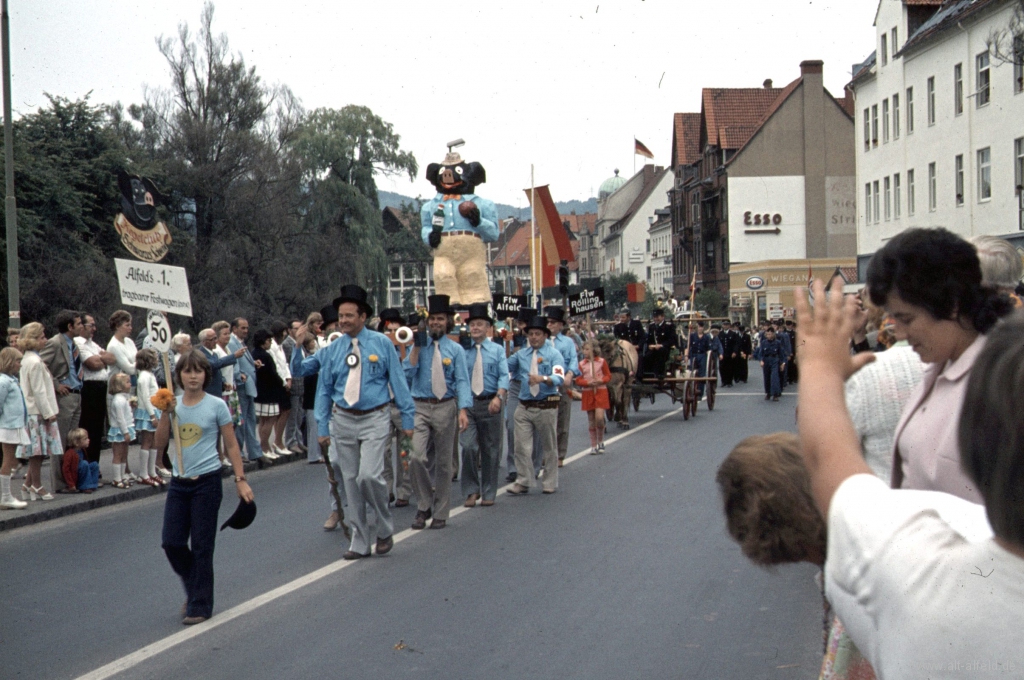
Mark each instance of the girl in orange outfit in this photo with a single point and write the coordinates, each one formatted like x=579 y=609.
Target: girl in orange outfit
x=593 y=379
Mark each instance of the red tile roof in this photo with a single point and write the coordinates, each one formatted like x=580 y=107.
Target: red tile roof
x=731 y=115
x=686 y=138
x=578 y=224
x=516 y=252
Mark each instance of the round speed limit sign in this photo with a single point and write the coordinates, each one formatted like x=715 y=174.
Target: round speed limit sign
x=159 y=331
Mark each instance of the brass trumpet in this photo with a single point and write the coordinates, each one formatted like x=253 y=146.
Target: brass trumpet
x=404 y=335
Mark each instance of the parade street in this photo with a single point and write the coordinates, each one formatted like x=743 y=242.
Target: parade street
x=626 y=572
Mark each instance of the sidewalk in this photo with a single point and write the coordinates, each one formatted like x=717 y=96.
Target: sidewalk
x=63 y=505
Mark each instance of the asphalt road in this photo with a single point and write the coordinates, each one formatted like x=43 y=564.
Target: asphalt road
x=626 y=572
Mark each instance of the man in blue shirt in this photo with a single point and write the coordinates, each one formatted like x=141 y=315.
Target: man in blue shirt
x=440 y=389
x=245 y=385
x=518 y=342
x=540 y=369
x=700 y=345
x=352 y=410
x=771 y=354
x=488 y=381
x=567 y=348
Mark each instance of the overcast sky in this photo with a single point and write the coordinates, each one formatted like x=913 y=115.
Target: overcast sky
x=562 y=84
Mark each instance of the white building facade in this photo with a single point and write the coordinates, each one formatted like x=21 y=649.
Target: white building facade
x=939 y=124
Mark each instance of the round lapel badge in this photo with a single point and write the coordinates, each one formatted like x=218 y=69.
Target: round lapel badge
x=352 y=360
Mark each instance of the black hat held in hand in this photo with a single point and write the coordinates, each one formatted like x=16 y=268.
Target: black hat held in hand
x=245 y=513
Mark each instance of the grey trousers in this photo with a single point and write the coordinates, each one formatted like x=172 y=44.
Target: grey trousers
x=395 y=474
x=360 y=442
x=437 y=424
x=69 y=412
x=313 y=448
x=481 y=441
x=564 y=413
x=510 y=430
x=293 y=428
x=540 y=422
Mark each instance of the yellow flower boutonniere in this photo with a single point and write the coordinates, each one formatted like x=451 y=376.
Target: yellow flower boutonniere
x=446 y=361
x=373 y=358
x=540 y=360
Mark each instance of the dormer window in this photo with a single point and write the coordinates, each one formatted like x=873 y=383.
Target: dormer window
x=884 y=51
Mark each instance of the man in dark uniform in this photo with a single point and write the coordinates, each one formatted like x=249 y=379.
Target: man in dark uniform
x=791 y=369
x=745 y=347
x=700 y=345
x=661 y=338
x=772 y=355
x=730 y=340
x=630 y=329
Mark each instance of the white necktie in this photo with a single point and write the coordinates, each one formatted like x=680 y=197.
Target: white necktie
x=437 y=383
x=534 y=389
x=355 y=374
x=478 y=372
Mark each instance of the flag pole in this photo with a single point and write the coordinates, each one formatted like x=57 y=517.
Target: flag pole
x=533 y=242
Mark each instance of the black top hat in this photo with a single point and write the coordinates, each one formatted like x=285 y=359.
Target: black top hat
x=540 y=322
x=245 y=513
x=479 y=310
x=555 y=313
x=391 y=314
x=658 y=311
x=439 y=304
x=353 y=293
x=330 y=314
x=526 y=313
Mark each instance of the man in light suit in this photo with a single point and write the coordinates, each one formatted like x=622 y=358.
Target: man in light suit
x=60 y=354
x=207 y=345
x=245 y=383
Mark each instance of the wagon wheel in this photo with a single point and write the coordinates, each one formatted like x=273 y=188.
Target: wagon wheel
x=694 y=401
x=686 y=400
x=651 y=395
x=636 y=399
x=712 y=385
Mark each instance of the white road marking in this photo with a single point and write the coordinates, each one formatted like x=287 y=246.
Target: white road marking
x=149 y=651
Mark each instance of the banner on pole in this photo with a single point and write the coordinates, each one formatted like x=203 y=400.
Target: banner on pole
x=154 y=286
x=586 y=301
x=506 y=306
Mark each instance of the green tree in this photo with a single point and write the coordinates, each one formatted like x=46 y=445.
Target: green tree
x=615 y=294
x=342 y=150
x=710 y=300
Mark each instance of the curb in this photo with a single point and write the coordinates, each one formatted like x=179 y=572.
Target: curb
x=9 y=520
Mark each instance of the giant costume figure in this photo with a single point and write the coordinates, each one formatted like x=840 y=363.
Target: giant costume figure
x=456 y=224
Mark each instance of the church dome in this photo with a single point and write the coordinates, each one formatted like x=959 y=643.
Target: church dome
x=610 y=186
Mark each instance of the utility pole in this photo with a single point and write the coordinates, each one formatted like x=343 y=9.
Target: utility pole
x=10 y=204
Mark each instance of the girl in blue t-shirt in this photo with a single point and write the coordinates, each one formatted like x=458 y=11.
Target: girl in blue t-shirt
x=195 y=491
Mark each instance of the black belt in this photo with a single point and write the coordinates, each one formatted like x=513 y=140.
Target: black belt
x=548 y=403
x=484 y=397
x=74 y=391
x=359 y=412
x=432 y=400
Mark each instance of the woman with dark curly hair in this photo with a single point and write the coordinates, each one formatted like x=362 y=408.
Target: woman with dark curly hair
x=930 y=283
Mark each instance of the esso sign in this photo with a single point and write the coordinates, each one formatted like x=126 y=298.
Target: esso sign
x=159 y=331
x=755 y=283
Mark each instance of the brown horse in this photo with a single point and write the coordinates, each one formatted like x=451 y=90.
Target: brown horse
x=622 y=359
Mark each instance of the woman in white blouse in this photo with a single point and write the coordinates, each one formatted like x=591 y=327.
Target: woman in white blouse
x=121 y=345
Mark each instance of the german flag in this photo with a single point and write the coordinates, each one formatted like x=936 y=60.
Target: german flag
x=641 y=150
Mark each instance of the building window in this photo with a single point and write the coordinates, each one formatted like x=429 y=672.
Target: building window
x=895 y=43
x=983 y=80
x=1018 y=179
x=959 y=174
x=911 y=198
x=396 y=274
x=885 y=49
x=895 y=116
x=1018 y=64
x=696 y=254
x=874 y=125
x=931 y=100
x=885 y=121
x=897 y=196
x=958 y=89
x=888 y=199
x=694 y=209
x=932 y=188
x=867 y=203
x=867 y=129
x=709 y=256
x=910 y=110
x=878 y=208
x=648 y=248
x=984 y=174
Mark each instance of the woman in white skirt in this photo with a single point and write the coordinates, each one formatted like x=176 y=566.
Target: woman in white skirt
x=41 y=403
x=13 y=415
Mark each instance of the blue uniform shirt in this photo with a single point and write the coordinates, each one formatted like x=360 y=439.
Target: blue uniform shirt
x=456 y=378
x=567 y=348
x=72 y=380
x=381 y=369
x=787 y=346
x=453 y=221
x=716 y=345
x=699 y=344
x=551 y=365
x=495 y=365
x=770 y=350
